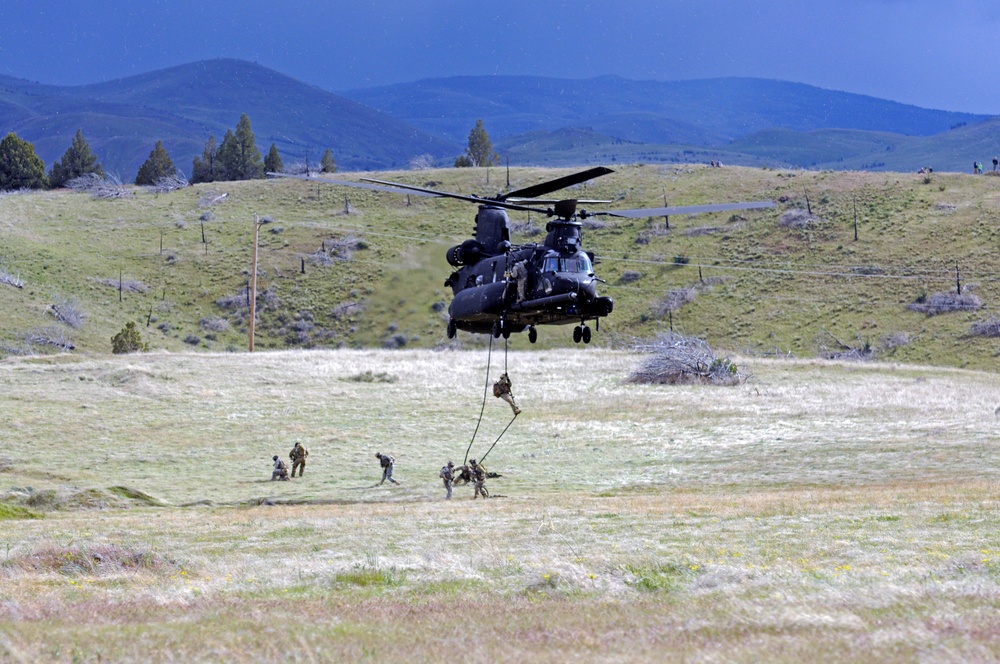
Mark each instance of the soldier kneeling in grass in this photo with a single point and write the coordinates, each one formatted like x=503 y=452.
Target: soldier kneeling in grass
x=280 y=469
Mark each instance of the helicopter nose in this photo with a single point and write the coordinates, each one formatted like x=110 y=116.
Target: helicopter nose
x=588 y=289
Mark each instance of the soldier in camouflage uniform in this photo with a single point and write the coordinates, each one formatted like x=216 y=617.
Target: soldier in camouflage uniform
x=298 y=456
x=387 y=463
x=501 y=390
x=464 y=475
x=448 y=476
x=280 y=471
x=479 y=477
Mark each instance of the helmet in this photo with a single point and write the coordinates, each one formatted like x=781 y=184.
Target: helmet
x=450 y=464
x=472 y=462
x=378 y=455
x=274 y=458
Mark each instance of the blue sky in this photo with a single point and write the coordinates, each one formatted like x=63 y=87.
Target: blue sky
x=932 y=53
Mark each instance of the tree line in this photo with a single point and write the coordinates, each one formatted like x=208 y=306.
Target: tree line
x=237 y=158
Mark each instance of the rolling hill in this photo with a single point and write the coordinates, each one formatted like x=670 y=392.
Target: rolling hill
x=183 y=105
x=756 y=282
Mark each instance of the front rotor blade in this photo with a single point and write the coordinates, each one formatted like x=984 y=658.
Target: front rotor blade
x=684 y=209
x=345 y=183
x=403 y=188
x=555 y=185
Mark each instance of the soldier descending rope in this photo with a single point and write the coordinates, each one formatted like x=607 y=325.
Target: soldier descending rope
x=501 y=390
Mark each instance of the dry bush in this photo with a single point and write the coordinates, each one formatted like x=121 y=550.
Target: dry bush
x=238 y=300
x=675 y=358
x=630 y=276
x=127 y=285
x=987 y=328
x=99 y=187
x=214 y=324
x=69 y=312
x=893 y=341
x=168 y=183
x=676 y=299
x=10 y=279
x=345 y=310
x=49 y=336
x=421 y=162
x=832 y=348
x=797 y=218
x=942 y=303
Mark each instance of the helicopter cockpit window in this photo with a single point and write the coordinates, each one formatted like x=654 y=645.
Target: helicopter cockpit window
x=579 y=264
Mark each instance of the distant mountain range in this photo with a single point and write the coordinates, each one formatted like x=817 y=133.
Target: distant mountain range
x=533 y=121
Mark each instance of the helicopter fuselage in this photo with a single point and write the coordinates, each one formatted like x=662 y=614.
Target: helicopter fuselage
x=555 y=283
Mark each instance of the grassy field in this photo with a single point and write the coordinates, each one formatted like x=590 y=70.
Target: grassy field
x=374 y=277
x=820 y=511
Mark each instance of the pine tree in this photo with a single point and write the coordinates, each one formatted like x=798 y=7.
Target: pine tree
x=328 y=164
x=480 y=150
x=159 y=165
x=239 y=158
x=76 y=161
x=206 y=169
x=272 y=162
x=20 y=167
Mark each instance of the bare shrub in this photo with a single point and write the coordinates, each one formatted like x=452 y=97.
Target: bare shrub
x=630 y=276
x=97 y=560
x=592 y=223
x=214 y=324
x=893 y=341
x=10 y=279
x=704 y=230
x=421 y=162
x=675 y=358
x=168 y=183
x=192 y=340
x=832 y=348
x=987 y=328
x=108 y=186
x=797 y=218
x=676 y=299
x=68 y=311
x=942 y=303
x=49 y=336
x=238 y=300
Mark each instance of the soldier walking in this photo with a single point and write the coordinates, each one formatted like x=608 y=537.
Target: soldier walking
x=280 y=471
x=387 y=463
x=519 y=272
x=479 y=478
x=448 y=476
x=501 y=390
x=298 y=456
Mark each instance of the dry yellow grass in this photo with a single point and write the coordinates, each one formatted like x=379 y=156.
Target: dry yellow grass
x=821 y=511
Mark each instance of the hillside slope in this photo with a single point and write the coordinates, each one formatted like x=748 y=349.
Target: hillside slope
x=749 y=282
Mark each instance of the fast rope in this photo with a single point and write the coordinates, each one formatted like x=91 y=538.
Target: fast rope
x=486 y=387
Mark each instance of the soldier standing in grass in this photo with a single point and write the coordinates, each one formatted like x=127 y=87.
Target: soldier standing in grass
x=479 y=477
x=280 y=471
x=448 y=476
x=298 y=456
x=501 y=390
x=387 y=463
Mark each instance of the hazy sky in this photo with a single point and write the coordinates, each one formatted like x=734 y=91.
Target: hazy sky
x=932 y=53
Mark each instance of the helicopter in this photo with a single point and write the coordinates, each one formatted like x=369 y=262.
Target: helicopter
x=501 y=288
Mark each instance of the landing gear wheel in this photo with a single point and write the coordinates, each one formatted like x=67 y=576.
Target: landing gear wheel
x=505 y=332
x=496 y=329
x=452 y=330
x=586 y=334
x=532 y=335
x=577 y=334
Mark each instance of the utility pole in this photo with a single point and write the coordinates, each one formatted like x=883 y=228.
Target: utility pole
x=253 y=279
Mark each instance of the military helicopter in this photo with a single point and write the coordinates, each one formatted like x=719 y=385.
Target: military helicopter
x=500 y=288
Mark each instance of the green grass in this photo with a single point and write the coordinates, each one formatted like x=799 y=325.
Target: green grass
x=823 y=510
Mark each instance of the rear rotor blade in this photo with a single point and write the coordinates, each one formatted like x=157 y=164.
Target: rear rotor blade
x=404 y=188
x=555 y=185
x=683 y=209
